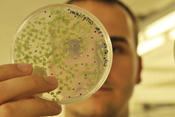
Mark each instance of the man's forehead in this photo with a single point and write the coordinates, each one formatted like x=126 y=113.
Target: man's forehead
x=115 y=19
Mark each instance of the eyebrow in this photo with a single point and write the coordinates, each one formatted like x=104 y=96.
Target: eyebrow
x=118 y=39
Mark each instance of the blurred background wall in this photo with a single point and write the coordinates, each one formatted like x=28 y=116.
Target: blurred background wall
x=155 y=96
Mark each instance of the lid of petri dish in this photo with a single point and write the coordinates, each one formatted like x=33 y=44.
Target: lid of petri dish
x=69 y=43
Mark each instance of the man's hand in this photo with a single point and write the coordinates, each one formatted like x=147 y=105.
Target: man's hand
x=18 y=85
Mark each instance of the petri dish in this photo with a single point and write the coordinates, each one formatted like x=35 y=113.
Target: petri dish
x=69 y=43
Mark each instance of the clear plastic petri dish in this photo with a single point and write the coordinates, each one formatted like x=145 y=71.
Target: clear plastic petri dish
x=69 y=43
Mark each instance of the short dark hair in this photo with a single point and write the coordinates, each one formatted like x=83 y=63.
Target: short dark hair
x=136 y=30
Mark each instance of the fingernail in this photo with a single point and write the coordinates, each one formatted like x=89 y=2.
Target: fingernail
x=51 y=80
x=24 y=67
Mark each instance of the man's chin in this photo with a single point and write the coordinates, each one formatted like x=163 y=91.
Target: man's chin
x=96 y=106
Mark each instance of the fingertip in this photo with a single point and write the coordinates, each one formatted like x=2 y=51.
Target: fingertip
x=52 y=82
x=58 y=108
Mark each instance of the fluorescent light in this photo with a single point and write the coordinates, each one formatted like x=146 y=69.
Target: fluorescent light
x=149 y=45
x=161 y=25
x=171 y=34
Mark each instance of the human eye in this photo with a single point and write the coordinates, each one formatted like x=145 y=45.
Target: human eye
x=118 y=49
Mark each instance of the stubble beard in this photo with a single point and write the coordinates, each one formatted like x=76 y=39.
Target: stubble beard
x=110 y=110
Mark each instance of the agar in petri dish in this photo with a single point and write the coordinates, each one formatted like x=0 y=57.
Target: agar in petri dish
x=69 y=43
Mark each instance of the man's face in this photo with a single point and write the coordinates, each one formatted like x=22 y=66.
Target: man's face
x=113 y=97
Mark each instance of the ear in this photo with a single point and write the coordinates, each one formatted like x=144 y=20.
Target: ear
x=139 y=70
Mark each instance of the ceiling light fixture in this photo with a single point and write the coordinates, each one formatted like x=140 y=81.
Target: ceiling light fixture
x=161 y=25
x=149 y=45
